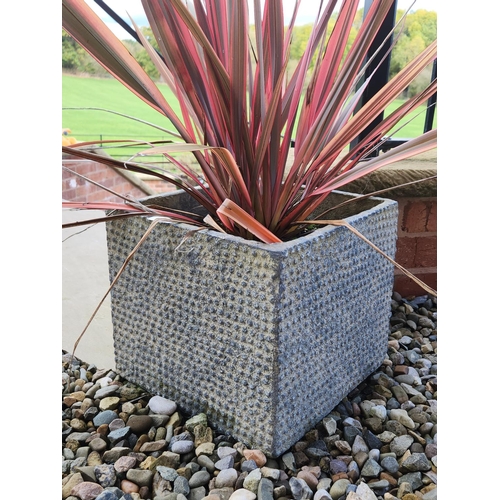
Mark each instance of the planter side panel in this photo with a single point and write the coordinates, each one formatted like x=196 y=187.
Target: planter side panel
x=265 y=339
x=334 y=319
x=194 y=321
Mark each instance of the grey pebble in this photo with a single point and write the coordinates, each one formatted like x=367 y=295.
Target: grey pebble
x=118 y=434
x=140 y=477
x=197 y=493
x=206 y=462
x=400 y=444
x=182 y=447
x=251 y=482
x=365 y=434
x=265 y=489
x=224 y=451
x=417 y=462
x=104 y=392
x=288 y=460
x=414 y=479
x=167 y=473
x=104 y=417
x=108 y=495
x=248 y=465
x=226 y=478
x=390 y=464
x=371 y=469
x=181 y=485
x=300 y=489
x=200 y=478
x=225 y=463
x=78 y=436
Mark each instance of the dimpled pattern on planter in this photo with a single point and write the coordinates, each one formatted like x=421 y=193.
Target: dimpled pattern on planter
x=251 y=334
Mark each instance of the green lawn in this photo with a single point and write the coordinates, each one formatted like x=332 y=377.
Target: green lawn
x=109 y=94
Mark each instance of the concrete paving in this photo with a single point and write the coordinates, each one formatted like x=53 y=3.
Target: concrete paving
x=84 y=283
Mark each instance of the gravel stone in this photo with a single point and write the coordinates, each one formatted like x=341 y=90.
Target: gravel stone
x=119 y=441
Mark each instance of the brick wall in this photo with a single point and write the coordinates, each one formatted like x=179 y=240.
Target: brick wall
x=75 y=188
x=417 y=244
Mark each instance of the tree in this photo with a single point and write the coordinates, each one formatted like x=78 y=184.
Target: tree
x=418 y=31
x=140 y=53
x=76 y=59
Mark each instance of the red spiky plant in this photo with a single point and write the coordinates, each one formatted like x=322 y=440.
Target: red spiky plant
x=240 y=113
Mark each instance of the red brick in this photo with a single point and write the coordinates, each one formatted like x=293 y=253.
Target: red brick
x=69 y=194
x=426 y=252
x=406 y=286
x=95 y=197
x=406 y=251
x=419 y=216
x=432 y=221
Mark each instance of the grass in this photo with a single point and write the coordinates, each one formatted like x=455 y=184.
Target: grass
x=87 y=125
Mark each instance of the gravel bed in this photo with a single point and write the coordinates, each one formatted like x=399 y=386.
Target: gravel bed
x=379 y=443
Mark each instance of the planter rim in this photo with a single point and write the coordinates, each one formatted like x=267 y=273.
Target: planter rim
x=285 y=245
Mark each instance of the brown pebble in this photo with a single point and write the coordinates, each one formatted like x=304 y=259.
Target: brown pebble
x=301 y=459
x=428 y=488
x=69 y=401
x=300 y=446
x=143 y=438
x=343 y=446
x=391 y=480
x=80 y=382
x=309 y=478
x=78 y=395
x=129 y=487
x=148 y=464
x=144 y=492
x=140 y=424
x=103 y=429
x=94 y=458
x=78 y=425
x=404 y=489
x=339 y=475
x=185 y=472
x=353 y=476
x=312 y=436
x=401 y=370
x=256 y=455
x=86 y=404
x=153 y=446
x=98 y=444
x=360 y=458
x=70 y=482
x=78 y=413
x=73 y=445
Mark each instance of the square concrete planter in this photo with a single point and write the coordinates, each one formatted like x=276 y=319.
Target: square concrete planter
x=264 y=339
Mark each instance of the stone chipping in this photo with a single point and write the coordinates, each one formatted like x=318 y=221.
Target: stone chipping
x=379 y=443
